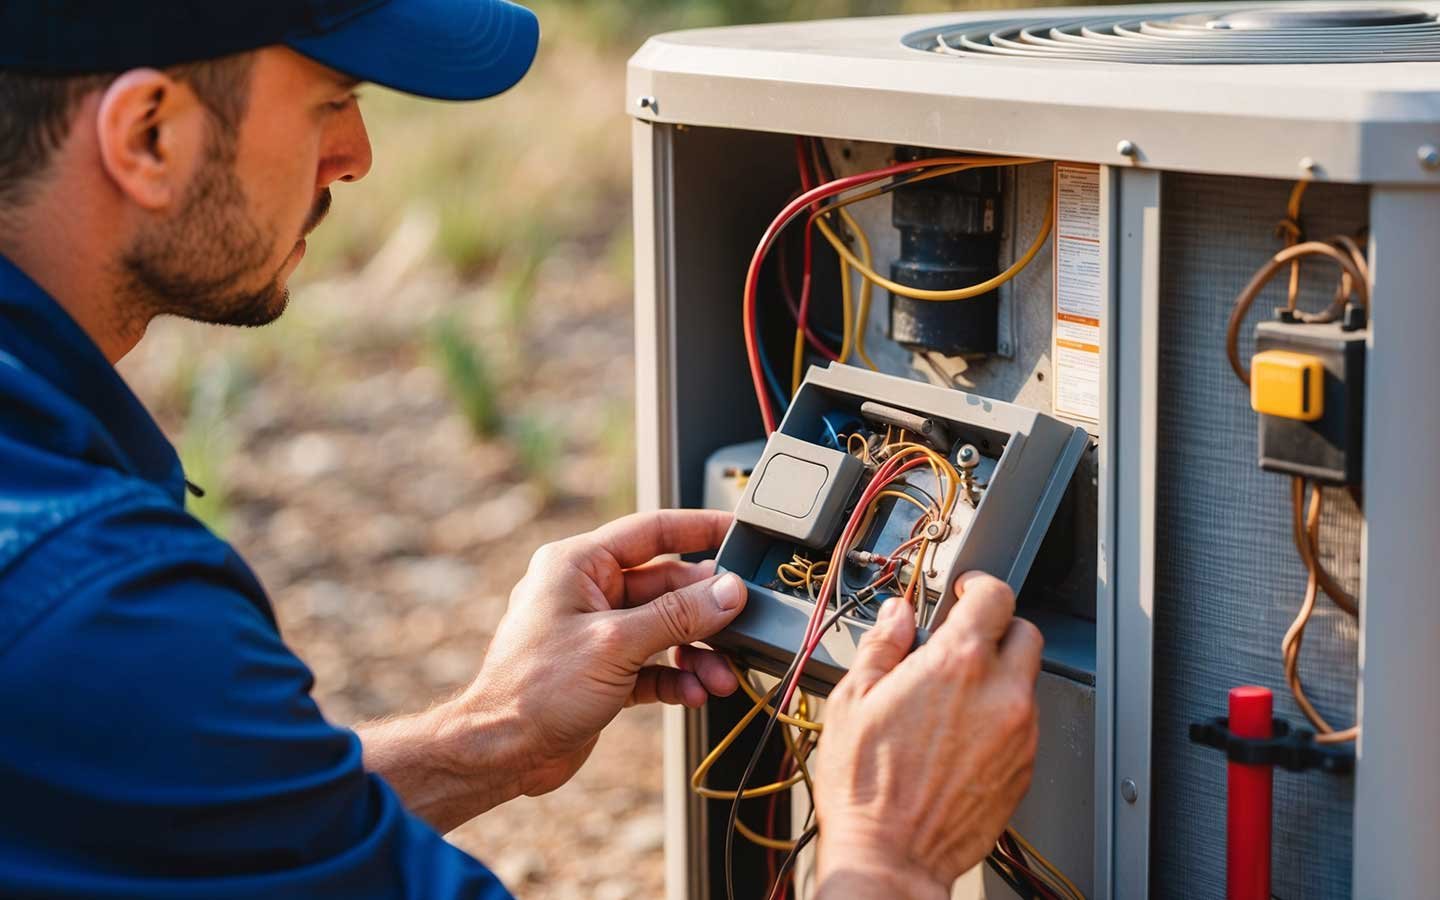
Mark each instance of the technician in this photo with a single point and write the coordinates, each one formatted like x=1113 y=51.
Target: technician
x=168 y=158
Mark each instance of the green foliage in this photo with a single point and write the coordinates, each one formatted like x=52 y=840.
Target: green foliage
x=538 y=448
x=517 y=280
x=216 y=385
x=467 y=376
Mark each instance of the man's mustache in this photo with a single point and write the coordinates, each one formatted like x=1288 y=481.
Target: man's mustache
x=317 y=213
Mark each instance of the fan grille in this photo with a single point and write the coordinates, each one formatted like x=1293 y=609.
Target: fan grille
x=1258 y=36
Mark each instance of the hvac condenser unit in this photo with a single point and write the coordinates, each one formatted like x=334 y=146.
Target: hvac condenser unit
x=1192 y=399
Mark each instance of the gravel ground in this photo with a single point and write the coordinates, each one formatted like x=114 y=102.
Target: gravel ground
x=389 y=536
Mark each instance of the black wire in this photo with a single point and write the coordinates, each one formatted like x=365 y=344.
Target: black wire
x=792 y=856
x=759 y=749
x=1002 y=869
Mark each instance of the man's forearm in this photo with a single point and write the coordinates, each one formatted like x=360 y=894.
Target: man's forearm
x=448 y=764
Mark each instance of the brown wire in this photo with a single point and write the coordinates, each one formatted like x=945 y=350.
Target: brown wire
x=1309 y=549
x=1293 y=232
x=1290 y=645
x=1357 y=285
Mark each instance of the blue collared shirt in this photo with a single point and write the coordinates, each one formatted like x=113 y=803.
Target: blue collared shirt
x=158 y=737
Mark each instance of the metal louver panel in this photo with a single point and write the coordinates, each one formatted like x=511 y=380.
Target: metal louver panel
x=1259 y=36
x=1225 y=594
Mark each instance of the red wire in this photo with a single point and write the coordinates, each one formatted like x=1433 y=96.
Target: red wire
x=770 y=855
x=810 y=337
x=892 y=469
x=752 y=276
x=807 y=251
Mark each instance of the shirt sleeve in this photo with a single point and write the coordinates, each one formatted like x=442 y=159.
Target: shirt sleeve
x=161 y=742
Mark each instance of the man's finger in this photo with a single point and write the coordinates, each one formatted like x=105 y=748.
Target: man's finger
x=884 y=646
x=1021 y=649
x=644 y=583
x=684 y=616
x=662 y=684
x=984 y=606
x=640 y=537
x=710 y=667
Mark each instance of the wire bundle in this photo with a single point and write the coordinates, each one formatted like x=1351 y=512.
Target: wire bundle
x=826 y=207
x=1028 y=873
x=890 y=458
x=1352 y=285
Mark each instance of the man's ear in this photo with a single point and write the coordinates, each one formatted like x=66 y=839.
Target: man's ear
x=151 y=131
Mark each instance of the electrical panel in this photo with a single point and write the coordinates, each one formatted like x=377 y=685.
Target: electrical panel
x=1008 y=468
x=1161 y=306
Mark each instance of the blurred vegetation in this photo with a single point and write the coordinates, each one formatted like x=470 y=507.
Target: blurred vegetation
x=467 y=375
x=212 y=387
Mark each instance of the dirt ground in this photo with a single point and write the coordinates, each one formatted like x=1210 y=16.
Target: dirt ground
x=389 y=534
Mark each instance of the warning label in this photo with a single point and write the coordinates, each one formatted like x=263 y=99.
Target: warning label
x=1079 y=303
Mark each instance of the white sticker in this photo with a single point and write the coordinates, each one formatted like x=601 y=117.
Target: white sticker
x=1078 y=302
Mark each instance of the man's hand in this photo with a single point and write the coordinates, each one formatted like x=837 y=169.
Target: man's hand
x=586 y=620
x=925 y=756
x=575 y=646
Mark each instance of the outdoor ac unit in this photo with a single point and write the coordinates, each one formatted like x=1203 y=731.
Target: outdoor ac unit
x=1174 y=137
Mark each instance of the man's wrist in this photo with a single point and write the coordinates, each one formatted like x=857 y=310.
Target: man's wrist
x=451 y=762
x=870 y=870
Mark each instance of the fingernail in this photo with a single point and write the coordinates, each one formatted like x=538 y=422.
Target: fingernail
x=891 y=609
x=727 y=591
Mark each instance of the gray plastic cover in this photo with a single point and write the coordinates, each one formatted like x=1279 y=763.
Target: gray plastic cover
x=798 y=490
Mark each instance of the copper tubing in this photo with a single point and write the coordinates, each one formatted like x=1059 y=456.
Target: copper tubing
x=1357 y=286
x=1290 y=645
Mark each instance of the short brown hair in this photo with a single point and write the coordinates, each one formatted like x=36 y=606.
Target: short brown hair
x=36 y=112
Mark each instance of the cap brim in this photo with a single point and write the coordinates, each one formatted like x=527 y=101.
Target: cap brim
x=445 y=49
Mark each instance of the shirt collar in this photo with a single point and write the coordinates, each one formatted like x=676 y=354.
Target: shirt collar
x=37 y=331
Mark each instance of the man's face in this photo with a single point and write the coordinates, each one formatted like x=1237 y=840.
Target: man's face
x=227 y=252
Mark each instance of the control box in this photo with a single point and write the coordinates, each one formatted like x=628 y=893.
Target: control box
x=1007 y=468
x=1308 y=385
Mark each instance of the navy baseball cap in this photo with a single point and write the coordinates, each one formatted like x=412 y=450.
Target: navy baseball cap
x=446 y=49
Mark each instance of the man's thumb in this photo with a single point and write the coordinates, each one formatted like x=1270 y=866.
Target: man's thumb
x=884 y=646
x=685 y=615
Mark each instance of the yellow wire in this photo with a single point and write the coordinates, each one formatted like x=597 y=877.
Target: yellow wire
x=847 y=319
x=850 y=440
x=797 y=363
x=1047 y=865
x=800 y=754
x=965 y=293
x=755 y=697
x=901 y=495
x=768 y=843
x=938 y=464
x=862 y=316
x=697 y=778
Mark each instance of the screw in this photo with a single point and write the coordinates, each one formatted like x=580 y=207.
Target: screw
x=1127 y=148
x=1129 y=791
x=1429 y=156
x=648 y=102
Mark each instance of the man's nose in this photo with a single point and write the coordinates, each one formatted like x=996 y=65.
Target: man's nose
x=347 y=154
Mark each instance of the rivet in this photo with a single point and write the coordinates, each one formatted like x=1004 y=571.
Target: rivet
x=648 y=102
x=1429 y=156
x=1129 y=791
x=1308 y=165
x=1127 y=148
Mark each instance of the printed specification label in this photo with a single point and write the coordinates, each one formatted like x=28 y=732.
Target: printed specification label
x=1079 y=302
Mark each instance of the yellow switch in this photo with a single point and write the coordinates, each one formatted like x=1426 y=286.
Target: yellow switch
x=1287 y=384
